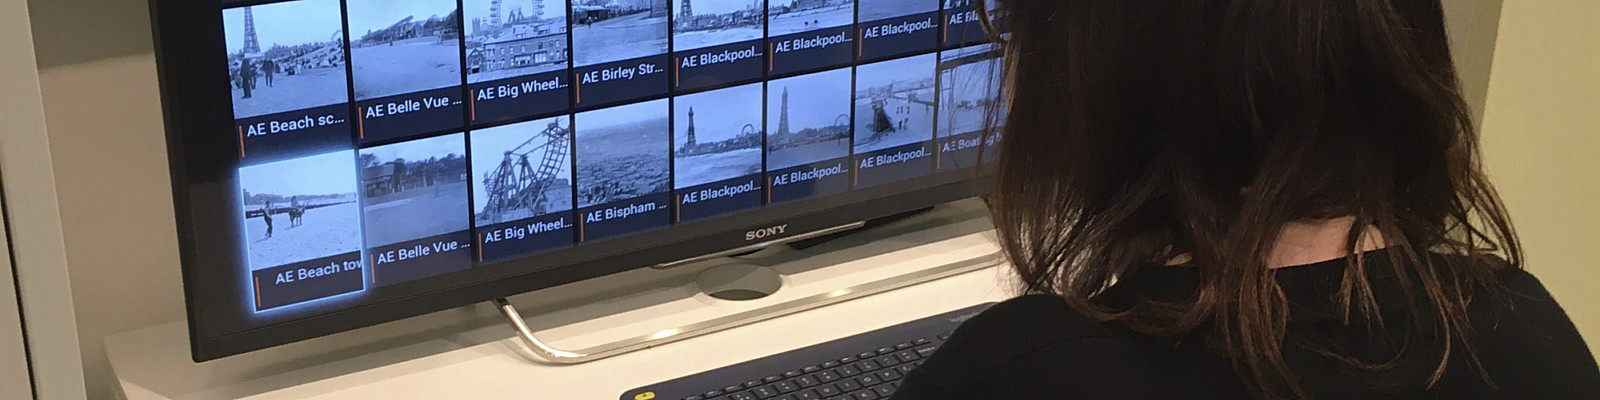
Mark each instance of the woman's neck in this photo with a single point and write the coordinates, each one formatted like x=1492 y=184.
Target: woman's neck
x=1312 y=241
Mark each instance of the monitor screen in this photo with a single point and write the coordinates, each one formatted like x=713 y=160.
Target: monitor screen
x=342 y=163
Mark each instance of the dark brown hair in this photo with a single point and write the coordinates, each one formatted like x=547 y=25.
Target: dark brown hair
x=1141 y=130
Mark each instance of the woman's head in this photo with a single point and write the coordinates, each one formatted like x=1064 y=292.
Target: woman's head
x=1140 y=130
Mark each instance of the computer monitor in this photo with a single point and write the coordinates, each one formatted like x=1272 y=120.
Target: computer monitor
x=342 y=163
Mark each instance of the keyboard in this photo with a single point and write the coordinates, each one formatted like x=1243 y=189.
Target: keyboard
x=868 y=366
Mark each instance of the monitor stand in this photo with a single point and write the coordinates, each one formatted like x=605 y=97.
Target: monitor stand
x=746 y=287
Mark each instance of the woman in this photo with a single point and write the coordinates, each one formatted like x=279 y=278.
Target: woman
x=1224 y=199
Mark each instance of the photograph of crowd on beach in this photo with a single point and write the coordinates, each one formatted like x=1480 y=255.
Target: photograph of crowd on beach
x=285 y=56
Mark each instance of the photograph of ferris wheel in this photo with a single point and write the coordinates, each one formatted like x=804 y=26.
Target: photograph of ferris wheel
x=522 y=170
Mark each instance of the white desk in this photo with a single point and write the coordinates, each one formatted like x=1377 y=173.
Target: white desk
x=472 y=353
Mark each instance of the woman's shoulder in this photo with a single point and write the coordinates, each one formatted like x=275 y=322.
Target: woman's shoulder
x=1036 y=319
x=1033 y=333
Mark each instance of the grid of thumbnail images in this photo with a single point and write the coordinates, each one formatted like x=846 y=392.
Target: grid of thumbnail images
x=387 y=141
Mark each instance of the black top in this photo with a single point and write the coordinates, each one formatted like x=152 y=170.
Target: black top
x=1036 y=347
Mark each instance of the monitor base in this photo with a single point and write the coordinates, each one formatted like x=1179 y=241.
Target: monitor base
x=739 y=282
x=753 y=279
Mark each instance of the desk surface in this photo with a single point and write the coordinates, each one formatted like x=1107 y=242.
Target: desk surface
x=468 y=354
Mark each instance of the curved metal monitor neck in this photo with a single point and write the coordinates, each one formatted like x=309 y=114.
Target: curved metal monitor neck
x=549 y=353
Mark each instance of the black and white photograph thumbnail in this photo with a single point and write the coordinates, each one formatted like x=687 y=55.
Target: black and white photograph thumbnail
x=717 y=135
x=794 y=16
x=414 y=190
x=873 y=10
x=706 y=23
x=301 y=209
x=614 y=30
x=403 y=46
x=809 y=119
x=969 y=90
x=894 y=103
x=285 y=56
x=511 y=38
x=623 y=153
x=963 y=23
x=522 y=170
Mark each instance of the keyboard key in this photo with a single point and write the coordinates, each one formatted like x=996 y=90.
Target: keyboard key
x=869 y=380
x=786 y=386
x=848 y=371
x=887 y=361
x=907 y=356
x=926 y=351
x=888 y=375
x=867 y=366
x=905 y=368
x=731 y=389
x=946 y=335
x=847 y=360
x=752 y=384
x=885 y=350
x=884 y=390
x=806 y=381
x=849 y=385
x=788 y=397
x=807 y=394
x=827 y=376
x=865 y=395
x=922 y=342
x=811 y=369
x=742 y=396
x=902 y=346
x=695 y=397
x=866 y=355
x=771 y=379
x=765 y=392
x=830 y=364
x=791 y=374
x=828 y=391
x=712 y=394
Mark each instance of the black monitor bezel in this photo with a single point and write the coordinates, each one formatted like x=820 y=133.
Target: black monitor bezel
x=186 y=44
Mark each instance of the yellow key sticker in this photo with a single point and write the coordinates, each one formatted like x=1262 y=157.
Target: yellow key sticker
x=645 y=396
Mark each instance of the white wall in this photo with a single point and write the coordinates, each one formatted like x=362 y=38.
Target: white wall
x=1541 y=127
x=33 y=218
x=97 y=71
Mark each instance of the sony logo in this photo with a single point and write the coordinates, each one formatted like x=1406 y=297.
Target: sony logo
x=764 y=233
